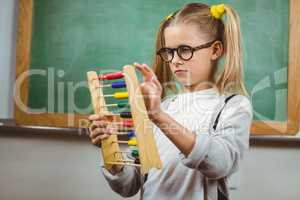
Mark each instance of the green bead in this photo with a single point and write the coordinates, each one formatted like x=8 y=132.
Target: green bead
x=135 y=153
x=122 y=105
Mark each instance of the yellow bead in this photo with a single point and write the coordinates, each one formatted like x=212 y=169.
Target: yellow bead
x=132 y=142
x=121 y=95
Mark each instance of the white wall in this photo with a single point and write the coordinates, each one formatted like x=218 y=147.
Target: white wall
x=48 y=168
x=8 y=13
x=270 y=173
x=63 y=168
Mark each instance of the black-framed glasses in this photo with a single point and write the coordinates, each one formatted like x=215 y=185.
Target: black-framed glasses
x=185 y=52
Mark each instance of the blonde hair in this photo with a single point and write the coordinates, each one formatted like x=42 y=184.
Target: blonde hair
x=230 y=78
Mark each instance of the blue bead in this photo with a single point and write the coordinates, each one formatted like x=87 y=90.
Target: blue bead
x=118 y=84
x=131 y=134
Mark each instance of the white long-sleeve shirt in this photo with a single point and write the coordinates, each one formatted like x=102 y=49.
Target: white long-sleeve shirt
x=216 y=154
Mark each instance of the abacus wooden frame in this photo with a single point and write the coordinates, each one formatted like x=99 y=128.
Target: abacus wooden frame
x=148 y=153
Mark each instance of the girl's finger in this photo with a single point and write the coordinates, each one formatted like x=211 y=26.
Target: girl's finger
x=148 y=69
x=101 y=123
x=95 y=133
x=96 y=124
x=153 y=77
x=98 y=131
x=98 y=139
x=147 y=74
x=96 y=117
x=93 y=117
x=157 y=83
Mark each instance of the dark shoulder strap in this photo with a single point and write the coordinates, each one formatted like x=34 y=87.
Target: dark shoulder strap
x=218 y=116
x=222 y=196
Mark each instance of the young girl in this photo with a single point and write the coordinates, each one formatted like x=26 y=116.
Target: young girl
x=200 y=138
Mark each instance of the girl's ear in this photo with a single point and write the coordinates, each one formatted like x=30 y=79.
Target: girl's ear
x=217 y=50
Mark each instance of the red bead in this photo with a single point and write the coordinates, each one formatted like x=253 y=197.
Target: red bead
x=111 y=76
x=128 y=123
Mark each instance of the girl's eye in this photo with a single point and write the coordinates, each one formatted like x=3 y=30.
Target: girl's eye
x=185 y=52
x=166 y=54
x=184 y=49
x=169 y=51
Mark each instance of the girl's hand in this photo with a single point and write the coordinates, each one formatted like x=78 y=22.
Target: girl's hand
x=100 y=129
x=151 y=90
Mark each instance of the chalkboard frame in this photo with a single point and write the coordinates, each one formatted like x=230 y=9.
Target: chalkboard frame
x=26 y=118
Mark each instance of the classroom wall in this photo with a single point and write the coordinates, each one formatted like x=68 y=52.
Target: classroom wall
x=8 y=14
x=53 y=167
x=67 y=167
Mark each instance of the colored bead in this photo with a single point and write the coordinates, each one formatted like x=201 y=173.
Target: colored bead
x=119 y=84
x=125 y=115
x=120 y=95
x=132 y=142
x=135 y=153
x=127 y=123
x=131 y=134
x=122 y=105
x=111 y=76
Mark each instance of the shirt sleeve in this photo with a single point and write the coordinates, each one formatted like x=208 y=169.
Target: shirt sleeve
x=218 y=154
x=126 y=183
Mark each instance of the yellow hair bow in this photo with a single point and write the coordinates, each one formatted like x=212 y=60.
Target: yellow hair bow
x=169 y=16
x=217 y=11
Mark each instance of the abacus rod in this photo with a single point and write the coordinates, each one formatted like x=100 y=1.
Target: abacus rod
x=126 y=161
x=117 y=84
x=122 y=163
x=121 y=133
x=121 y=142
x=117 y=95
x=122 y=114
x=120 y=105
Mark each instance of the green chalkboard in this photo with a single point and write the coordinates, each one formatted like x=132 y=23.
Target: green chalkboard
x=71 y=37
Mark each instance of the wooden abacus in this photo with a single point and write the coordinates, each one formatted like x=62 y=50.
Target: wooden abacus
x=141 y=133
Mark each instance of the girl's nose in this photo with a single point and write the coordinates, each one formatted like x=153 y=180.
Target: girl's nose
x=176 y=59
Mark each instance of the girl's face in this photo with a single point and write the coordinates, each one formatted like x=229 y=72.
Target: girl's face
x=196 y=73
